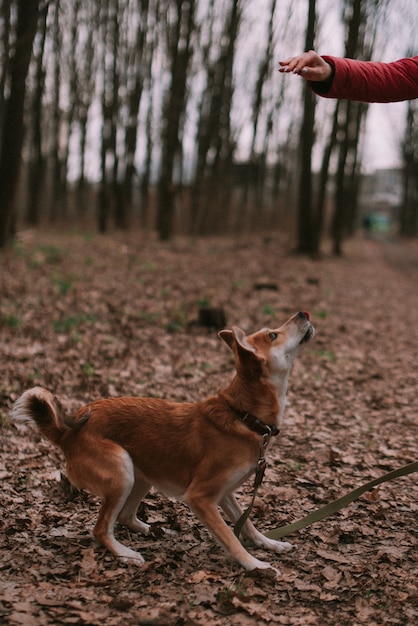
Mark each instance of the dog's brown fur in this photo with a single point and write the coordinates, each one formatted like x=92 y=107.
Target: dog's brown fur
x=198 y=452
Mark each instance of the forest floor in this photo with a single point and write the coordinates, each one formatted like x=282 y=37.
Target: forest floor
x=90 y=316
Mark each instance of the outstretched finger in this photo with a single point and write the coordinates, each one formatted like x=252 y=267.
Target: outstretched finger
x=285 y=66
x=295 y=64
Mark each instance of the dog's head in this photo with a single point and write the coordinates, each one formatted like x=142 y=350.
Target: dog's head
x=272 y=351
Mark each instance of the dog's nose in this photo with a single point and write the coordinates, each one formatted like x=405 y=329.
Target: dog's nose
x=304 y=315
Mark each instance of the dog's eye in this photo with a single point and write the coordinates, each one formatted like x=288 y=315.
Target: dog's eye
x=272 y=336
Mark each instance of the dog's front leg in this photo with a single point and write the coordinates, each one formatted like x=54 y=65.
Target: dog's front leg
x=208 y=513
x=233 y=510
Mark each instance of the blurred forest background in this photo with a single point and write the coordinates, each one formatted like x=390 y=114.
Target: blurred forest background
x=170 y=115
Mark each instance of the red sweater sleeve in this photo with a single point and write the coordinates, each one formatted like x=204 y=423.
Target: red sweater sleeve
x=368 y=81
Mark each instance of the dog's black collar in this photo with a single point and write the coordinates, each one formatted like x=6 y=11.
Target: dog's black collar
x=257 y=426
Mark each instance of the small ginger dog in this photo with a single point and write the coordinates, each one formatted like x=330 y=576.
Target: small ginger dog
x=198 y=452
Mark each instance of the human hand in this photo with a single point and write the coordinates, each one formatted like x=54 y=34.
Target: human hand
x=309 y=65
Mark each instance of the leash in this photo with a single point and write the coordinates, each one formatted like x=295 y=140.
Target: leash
x=337 y=505
x=267 y=431
x=258 y=479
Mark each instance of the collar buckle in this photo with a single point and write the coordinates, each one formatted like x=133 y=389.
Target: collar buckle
x=257 y=426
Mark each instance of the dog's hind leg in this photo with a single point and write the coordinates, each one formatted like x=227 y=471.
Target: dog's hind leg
x=128 y=514
x=233 y=510
x=108 y=472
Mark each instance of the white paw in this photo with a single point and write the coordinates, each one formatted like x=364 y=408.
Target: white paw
x=135 y=525
x=281 y=546
x=130 y=556
x=274 y=546
x=264 y=569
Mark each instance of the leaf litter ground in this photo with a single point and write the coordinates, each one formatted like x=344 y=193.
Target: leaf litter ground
x=92 y=316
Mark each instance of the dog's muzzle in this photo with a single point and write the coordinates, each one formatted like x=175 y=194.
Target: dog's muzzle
x=308 y=335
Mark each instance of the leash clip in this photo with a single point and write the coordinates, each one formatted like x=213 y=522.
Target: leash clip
x=265 y=439
x=259 y=472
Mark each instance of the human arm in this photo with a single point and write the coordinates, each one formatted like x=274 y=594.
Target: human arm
x=309 y=65
x=364 y=81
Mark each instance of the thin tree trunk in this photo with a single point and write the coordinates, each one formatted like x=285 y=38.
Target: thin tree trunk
x=354 y=166
x=135 y=66
x=108 y=18
x=409 y=210
x=119 y=207
x=153 y=19
x=305 y=219
x=180 y=52
x=340 y=186
x=322 y=184
x=258 y=160
x=58 y=198
x=13 y=127
x=5 y=66
x=146 y=177
x=215 y=143
x=37 y=160
x=348 y=129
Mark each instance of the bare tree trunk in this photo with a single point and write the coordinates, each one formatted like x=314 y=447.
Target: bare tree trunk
x=175 y=98
x=354 y=165
x=119 y=208
x=340 y=185
x=306 y=238
x=138 y=66
x=352 y=115
x=322 y=183
x=215 y=141
x=409 y=210
x=146 y=177
x=82 y=69
x=108 y=153
x=204 y=132
x=258 y=159
x=345 y=111
x=59 y=199
x=5 y=66
x=154 y=18
x=37 y=160
x=13 y=128
x=224 y=142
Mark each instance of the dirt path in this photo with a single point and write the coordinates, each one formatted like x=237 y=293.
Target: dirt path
x=88 y=317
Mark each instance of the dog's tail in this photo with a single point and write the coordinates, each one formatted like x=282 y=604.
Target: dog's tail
x=40 y=406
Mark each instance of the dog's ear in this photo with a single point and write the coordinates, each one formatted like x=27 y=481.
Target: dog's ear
x=236 y=340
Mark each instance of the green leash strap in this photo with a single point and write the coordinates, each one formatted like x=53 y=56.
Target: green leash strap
x=258 y=479
x=340 y=503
